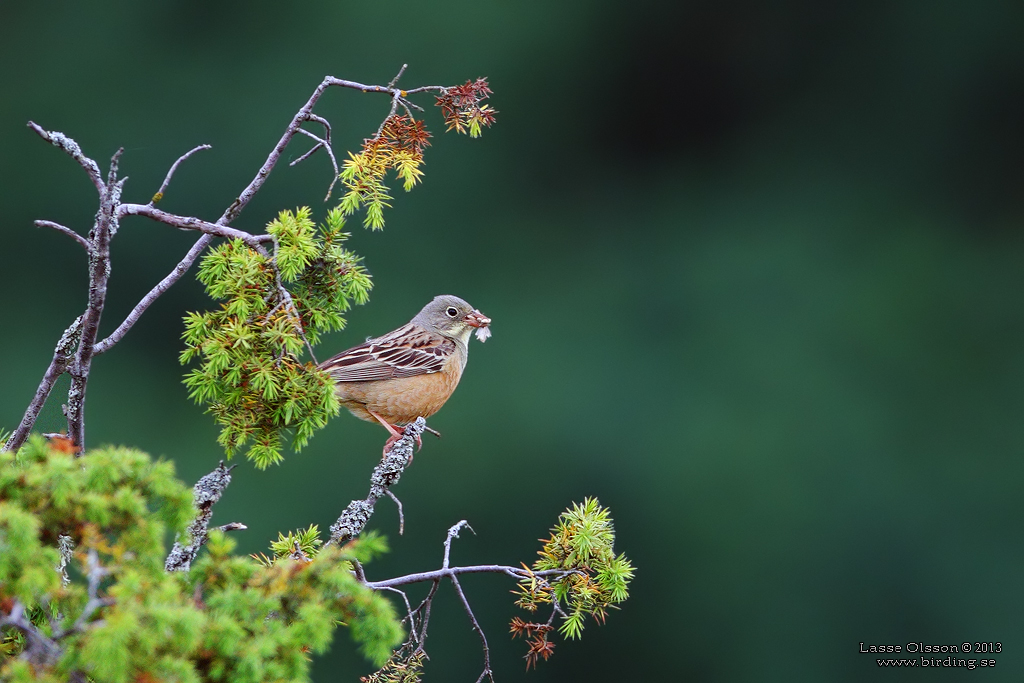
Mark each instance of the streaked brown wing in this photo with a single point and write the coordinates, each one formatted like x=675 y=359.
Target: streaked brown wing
x=408 y=351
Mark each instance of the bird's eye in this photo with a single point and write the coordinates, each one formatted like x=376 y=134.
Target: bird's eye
x=452 y=311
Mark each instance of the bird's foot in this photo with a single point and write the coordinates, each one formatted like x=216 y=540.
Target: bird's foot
x=394 y=438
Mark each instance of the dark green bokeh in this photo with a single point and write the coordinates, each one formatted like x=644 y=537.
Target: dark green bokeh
x=755 y=271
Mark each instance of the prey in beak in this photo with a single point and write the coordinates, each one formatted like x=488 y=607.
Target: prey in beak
x=481 y=322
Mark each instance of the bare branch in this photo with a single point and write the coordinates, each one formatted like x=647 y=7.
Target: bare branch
x=304 y=114
x=408 y=608
x=409 y=103
x=418 y=629
x=319 y=143
x=192 y=223
x=71 y=148
x=387 y=473
x=206 y=492
x=479 y=631
x=154 y=294
x=453 y=532
x=424 y=609
x=323 y=122
x=174 y=167
x=401 y=515
x=324 y=143
x=426 y=88
x=395 y=99
x=67 y=231
x=439 y=574
x=398 y=75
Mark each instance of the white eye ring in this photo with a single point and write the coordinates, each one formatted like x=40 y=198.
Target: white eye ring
x=452 y=311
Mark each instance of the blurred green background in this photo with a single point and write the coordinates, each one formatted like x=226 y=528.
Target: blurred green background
x=755 y=270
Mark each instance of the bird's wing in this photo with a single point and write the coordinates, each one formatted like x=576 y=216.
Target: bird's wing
x=408 y=351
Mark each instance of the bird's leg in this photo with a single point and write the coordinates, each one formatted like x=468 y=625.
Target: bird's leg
x=395 y=434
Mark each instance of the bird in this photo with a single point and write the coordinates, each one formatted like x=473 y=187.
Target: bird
x=409 y=372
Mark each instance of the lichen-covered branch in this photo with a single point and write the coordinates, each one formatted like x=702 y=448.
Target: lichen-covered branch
x=72 y=149
x=62 y=356
x=103 y=230
x=206 y=492
x=352 y=521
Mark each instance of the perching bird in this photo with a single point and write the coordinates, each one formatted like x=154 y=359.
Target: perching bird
x=410 y=372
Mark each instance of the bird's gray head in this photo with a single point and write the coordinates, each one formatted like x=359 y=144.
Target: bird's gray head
x=452 y=317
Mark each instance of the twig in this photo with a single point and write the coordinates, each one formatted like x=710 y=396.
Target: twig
x=424 y=607
x=67 y=231
x=323 y=122
x=479 y=631
x=319 y=143
x=154 y=294
x=207 y=491
x=191 y=223
x=62 y=142
x=304 y=114
x=453 y=532
x=395 y=98
x=408 y=609
x=394 y=81
x=401 y=515
x=439 y=574
x=387 y=473
x=174 y=167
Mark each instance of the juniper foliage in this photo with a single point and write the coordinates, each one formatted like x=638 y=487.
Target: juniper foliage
x=122 y=618
x=251 y=375
x=595 y=578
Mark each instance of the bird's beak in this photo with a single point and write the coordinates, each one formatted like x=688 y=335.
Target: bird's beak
x=477 y=319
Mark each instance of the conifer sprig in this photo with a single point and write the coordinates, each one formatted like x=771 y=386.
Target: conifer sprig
x=252 y=376
x=463 y=107
x=595 y=578
x=397 y=146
